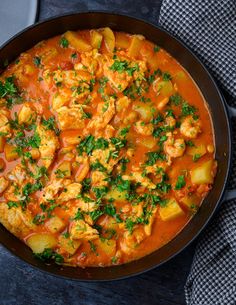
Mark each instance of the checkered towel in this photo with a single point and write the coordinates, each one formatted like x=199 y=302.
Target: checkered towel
x=208 y=27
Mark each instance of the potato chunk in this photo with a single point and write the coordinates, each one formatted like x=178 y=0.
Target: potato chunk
x=134 y=48
x=116 y=194
x=70 y=118
x=10 y=152
x=107 y=246
x=190 y=201
x=77 y=42
x=203 y=173
x=38 y=242
x=109 y=38
x=26 y=115
x=96 y=39
x=171 y=210
x=68 y=245
x=122 y=41
x=145 y=111
x=55 y=224
x=81 y=230
x=3 y=184
x=71 y=192
x=63 y=170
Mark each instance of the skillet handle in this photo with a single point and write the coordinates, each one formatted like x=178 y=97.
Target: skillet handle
x=230 y=194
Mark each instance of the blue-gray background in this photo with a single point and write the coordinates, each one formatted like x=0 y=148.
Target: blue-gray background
x=22 y=285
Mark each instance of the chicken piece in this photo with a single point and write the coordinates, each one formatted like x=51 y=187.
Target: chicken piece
x=137 y=177
x=109 y=131
x=18 y=174
x=118 y=79
x=13 y=193
x=55 y=224
x=103 y=156
x=15 y=220
x=122 y=104
x=81 y=230
x=48 y=145
x=71 y=192
x=52 y=189
x=98 y=179
x=121 y=76
x=137 y=210
x=4 y=122
x=26 y=115
x=105 y=113
x=131 y=241
x=70 y=118
x=90 y=60
x=78 y=80
x=3 y=184
x=61 y=98
x=84 y=205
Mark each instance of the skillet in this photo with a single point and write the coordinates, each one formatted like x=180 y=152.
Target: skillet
x=220 y=120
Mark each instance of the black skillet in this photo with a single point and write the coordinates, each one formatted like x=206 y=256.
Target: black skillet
x=55 y=26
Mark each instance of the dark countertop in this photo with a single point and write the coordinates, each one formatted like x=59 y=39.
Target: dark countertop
x=20 y=284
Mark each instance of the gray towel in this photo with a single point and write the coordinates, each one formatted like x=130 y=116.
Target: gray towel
x=208 y=27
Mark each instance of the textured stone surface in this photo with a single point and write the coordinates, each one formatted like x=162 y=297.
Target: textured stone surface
x=22 y=285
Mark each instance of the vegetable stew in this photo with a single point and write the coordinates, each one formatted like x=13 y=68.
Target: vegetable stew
x=106 y=148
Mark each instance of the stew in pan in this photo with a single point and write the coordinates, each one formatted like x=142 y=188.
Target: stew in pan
x=106 y=148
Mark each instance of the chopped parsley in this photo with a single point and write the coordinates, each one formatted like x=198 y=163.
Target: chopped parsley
x=129 y=225
x=37 y=61
x=50 y=124
x=64 y=43
x=100 y=191
x=12 y=204
x=60 y=173
x=180 y=182
x=153 y=156
x=10 y=92
x=38 y=219
x=123 y=162
x=74 y=55
x=86 y=185
x=166 y=76
x=123 y=66
x=93 y=247
x=98 y=166
x=124 y=131
x=110 y=209
x=101 y=143
x=86 y=145
x=95 y=215
x=187 y=109
x=196 y=157
x=156 y=48
x=48 y=254
x=119 y=143
x=79 y=215
x=189 y=143
x=176 y=99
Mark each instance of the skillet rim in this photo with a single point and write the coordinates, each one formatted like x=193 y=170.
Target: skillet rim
x=43 y=266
